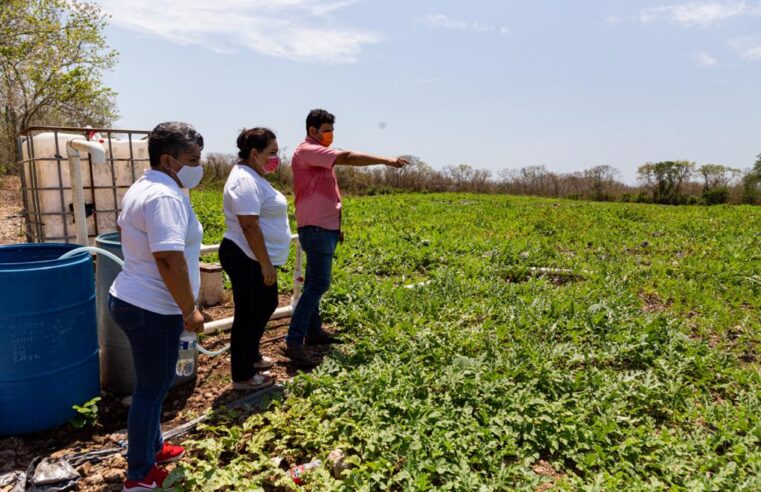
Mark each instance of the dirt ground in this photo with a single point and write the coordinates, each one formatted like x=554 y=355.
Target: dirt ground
x=11 y=208
x=211 y=389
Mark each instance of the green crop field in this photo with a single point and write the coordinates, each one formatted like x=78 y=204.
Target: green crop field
x=638 y=372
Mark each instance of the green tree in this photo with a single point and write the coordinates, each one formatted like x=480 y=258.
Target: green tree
x=665 y=179
x=751 y=182
x=714 y=175
x=53 y=54
x=716 y=181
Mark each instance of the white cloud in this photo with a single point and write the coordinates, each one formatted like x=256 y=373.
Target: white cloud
x=444 y=22
x=613 y=19
x=705 y=60
x=299 y=30
x=702 y=14
x=749 y=47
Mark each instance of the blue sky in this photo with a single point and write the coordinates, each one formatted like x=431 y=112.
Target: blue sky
x=495 y=84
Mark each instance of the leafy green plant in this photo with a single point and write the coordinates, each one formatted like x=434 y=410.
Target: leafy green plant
x=87 y=413
x=641 y=373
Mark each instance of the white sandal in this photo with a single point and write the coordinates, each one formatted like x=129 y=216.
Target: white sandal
x=264 y=363
x=258 y=381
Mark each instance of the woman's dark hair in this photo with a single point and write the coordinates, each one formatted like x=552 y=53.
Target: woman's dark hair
x=171 y=137
x=317 y=117
x=254 y=138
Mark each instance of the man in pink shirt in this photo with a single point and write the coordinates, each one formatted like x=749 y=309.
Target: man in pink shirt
x=318 y=217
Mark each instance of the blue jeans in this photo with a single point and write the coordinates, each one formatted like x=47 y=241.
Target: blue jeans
x=319 y=245
x=154 y=339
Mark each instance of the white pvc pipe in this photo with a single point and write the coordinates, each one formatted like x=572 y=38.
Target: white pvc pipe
x=281 y=312
x=207 y=249
x=98 y=155
x=225 y=323
x=298 y=278
x=78 y=197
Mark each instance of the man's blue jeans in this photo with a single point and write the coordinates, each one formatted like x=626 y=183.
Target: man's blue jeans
x=319 y=245
x=154 y=339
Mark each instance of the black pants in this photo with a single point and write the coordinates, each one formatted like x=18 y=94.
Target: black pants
x=254 y=304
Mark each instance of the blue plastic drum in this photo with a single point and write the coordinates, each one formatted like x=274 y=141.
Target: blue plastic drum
x=48 y=336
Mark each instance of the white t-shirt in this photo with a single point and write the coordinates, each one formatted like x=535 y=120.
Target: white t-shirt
x=156 y=216
x=247 y=193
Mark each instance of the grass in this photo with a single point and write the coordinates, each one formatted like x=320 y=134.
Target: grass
x=641 y=374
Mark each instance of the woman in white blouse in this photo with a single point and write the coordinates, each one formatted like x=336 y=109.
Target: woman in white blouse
x=154 y=296
x=256 y=242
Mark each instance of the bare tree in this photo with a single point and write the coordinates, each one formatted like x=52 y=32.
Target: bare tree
x=479 y=181
x=460 y=174
x=601 y=180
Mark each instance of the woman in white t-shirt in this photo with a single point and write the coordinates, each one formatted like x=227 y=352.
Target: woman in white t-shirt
x=154 y=296
x=256 y=242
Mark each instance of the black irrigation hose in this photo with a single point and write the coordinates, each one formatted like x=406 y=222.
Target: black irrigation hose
x=77 y=459
x=253 y=398
x=270 y=340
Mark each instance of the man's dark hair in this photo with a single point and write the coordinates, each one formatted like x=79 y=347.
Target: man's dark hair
x=317 y=117
x=254 y=138
x=171 y=137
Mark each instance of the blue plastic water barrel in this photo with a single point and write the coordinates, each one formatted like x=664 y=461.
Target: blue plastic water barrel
x=48 y=336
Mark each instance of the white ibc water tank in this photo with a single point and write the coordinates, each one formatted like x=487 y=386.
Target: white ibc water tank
x=47 y=186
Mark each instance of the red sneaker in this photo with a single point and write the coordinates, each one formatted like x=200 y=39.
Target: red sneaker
x=154 y=480
x=169 y=454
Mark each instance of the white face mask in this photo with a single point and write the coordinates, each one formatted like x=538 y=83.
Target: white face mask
x=190 y=176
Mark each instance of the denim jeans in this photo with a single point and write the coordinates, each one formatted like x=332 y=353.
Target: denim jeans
x=319 y=245
x=254 y=304
x=154 y=339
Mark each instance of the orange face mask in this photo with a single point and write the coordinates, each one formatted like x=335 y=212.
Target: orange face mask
x=326 y=139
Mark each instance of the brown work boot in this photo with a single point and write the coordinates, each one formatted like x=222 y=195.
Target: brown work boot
x=299 y=355
x=321 y=338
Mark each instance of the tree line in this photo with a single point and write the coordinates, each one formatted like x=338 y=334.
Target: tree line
x=668 y=182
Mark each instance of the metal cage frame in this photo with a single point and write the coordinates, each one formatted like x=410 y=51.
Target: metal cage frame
x=33 y=216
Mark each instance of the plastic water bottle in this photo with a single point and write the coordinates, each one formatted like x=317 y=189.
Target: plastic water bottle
x=187 y=359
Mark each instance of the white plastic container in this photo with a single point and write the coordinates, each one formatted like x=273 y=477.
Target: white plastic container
x=48 y=197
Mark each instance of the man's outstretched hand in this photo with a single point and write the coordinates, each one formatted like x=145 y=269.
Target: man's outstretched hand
x=397 y=162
